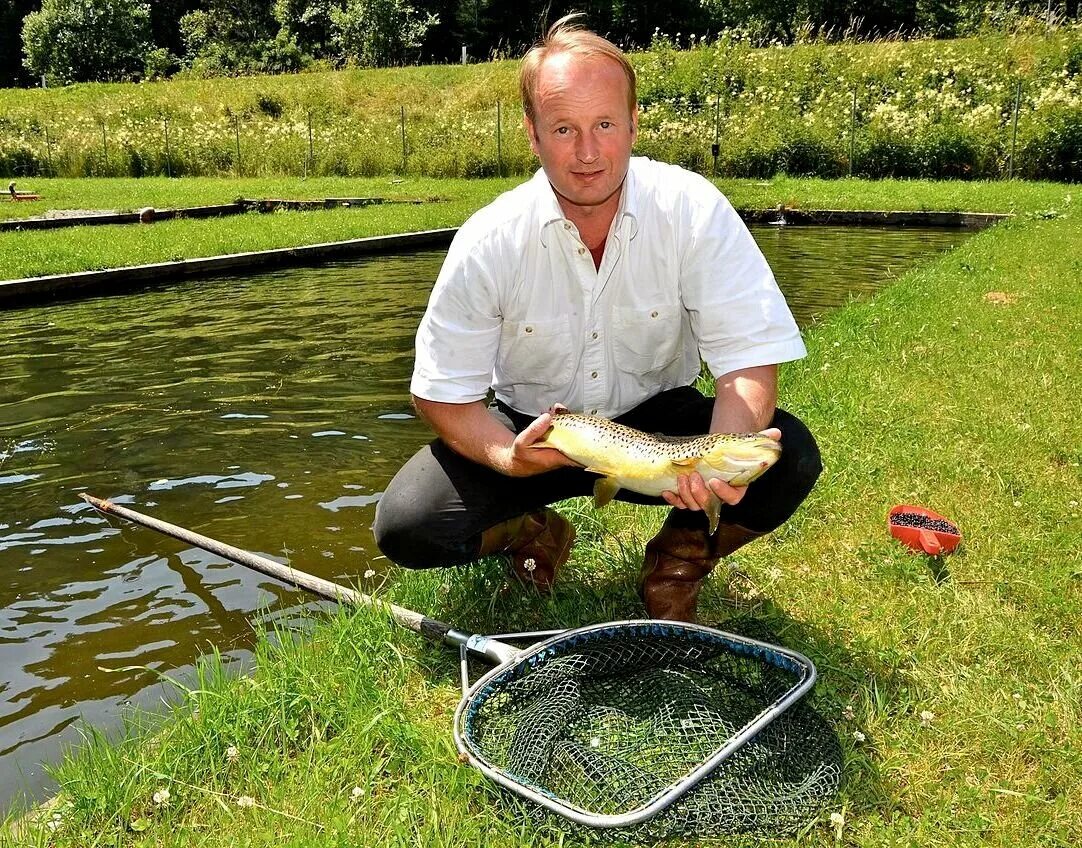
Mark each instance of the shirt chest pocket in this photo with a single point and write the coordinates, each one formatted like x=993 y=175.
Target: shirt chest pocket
x=536 y=352
x=647 y=338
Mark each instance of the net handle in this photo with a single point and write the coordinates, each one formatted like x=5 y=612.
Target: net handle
x=438 y=631
x=773 y=654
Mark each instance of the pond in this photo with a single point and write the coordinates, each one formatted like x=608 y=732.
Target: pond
x=267 y=411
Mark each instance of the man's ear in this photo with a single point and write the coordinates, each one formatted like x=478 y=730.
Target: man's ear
x=635 y=123
x=531 y=134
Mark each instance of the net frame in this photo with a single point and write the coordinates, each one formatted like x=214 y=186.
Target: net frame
x=475 y=695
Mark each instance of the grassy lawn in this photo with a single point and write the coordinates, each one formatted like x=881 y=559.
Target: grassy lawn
x=34 y=253
x=954 y=685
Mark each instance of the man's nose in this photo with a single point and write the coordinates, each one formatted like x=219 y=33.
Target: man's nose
x=587 y=148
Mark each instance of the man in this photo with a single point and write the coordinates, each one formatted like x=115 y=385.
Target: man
x=598 y=285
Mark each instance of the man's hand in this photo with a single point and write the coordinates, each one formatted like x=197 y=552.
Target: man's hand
x=694 y=493
x=471 y=430
x=526 y=458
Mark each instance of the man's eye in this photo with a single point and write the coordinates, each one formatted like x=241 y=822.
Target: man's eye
x=562 y=130
x=606 y=125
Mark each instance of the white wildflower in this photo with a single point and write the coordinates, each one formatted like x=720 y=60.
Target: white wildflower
x=356 y=793
x=231 y=753
x=369 y=573
x=860 y=737
x=926 y=717
x=161 y=797
x=246 y=801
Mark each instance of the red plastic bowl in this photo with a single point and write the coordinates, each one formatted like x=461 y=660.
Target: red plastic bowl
x=931 y=542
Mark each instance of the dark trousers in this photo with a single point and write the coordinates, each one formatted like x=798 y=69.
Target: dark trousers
x=438 y=504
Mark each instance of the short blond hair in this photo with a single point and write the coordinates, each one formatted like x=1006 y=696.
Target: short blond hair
x=567 y=36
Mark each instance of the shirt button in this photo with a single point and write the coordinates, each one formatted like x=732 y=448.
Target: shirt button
x=593 y=335
x=582 y=250
x=653 y=314
x=567 y=226
x=593 y=374
x=593 y=412
x=529 y=329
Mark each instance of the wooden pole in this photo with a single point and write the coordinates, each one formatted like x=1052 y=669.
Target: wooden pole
x=715 y=148
x=236 y=134
x=402 y=108
x=499 y=141
x=104 y=149
x=311 y=153
x=852 y=132
x=1014 y=129
x=168 y=160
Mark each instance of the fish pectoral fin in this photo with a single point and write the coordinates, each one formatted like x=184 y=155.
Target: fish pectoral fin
x=713 y=513
x=605 y=489
x=685 y=463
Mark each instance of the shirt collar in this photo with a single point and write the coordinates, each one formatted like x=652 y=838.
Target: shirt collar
x=549 y=211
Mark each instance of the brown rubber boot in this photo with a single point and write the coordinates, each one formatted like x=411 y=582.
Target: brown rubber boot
x=676 y=562
x=538 y=543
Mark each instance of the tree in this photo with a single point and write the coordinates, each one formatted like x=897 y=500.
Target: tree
x=230 y=36
x=309 y=22
x=376 y=33
x=83 y=40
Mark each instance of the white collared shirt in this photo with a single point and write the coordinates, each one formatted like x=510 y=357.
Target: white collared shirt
x=519 y=307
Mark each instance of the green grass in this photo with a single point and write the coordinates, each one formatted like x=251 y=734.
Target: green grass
x=954 y=686
x=35 y=253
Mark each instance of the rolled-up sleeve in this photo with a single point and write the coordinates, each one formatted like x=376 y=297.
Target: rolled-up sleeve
x=459 y=334
x=738 y=314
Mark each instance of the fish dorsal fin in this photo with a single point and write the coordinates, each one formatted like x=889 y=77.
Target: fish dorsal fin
x=605 y=489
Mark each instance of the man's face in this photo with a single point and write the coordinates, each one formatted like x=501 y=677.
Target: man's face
x=582 y=129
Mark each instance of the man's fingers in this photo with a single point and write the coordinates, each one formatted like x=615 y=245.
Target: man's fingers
x=772 y=433
x=731 y=495
x=535 y=430
x=683 y=483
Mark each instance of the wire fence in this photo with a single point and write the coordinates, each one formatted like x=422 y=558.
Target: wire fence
x=853 y=132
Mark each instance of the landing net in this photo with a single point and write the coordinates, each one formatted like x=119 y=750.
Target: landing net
x=621 y=727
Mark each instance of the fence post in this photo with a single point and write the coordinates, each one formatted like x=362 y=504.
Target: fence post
x=1014 y=129
x=499 y=141
x=715 y=148
x=402 y=109
x=236 y=135
x=168 y=158
x=852 y=132
x=310 y=161
x=104 y=149
x=49 y=153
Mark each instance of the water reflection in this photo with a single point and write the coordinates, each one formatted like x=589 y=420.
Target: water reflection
x=268 y=411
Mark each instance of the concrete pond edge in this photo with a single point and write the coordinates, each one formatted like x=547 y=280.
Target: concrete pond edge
x=29 y=290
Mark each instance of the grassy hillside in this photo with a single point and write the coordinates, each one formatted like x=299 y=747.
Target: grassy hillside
x=923 y=108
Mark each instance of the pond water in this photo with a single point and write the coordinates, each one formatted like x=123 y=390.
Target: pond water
x=268 y=411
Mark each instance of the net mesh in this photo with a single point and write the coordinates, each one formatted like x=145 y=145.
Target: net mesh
x=608 y=720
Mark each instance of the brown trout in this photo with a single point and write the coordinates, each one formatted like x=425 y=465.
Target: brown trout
x=649 y=464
